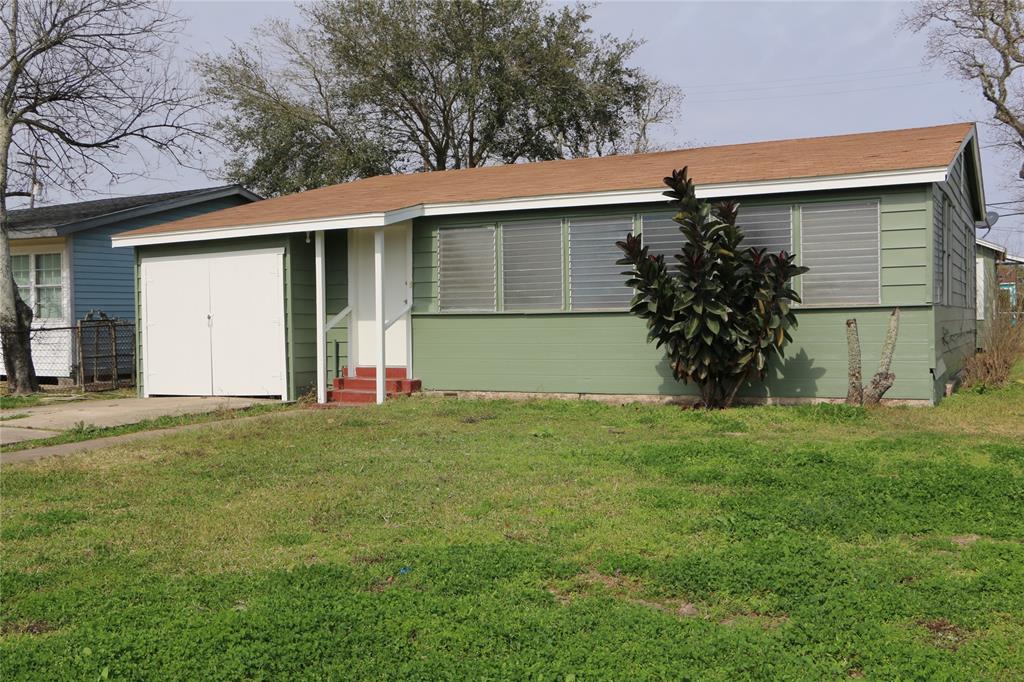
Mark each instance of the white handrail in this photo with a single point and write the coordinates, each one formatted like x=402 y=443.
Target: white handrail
x=388 y=323
x=336 y=320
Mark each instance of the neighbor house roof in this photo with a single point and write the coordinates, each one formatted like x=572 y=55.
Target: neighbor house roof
x=916 y=155
x=999 y=249
x=61 y=219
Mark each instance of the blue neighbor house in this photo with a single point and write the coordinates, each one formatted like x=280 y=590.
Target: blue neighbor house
x=65 y=267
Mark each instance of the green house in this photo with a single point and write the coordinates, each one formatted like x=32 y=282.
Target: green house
x=502 y=280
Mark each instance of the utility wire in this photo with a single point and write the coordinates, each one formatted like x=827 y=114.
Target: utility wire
x=808 y=94
x=802 y=79
x=760 y=85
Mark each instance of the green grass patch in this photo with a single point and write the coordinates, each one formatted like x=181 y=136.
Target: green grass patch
x=433 y=538
x=17 y=402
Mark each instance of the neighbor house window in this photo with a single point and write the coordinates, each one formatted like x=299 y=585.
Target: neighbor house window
x=531 y=270
x=467 y=269
x=839 y=242
x=595 y=281
x=939 y=256
x=39 y=281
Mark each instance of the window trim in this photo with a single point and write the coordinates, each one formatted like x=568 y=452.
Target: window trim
x=48 y=248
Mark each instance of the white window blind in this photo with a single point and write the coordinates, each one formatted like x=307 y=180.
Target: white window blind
x=595 y=281
x=766 y=227
x=661 y=235
x=839 y=242
x=531 y=272
x=466 y=269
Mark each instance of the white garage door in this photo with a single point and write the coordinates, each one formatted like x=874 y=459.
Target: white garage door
x=214 y=324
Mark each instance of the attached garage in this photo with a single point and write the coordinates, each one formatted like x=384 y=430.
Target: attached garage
x=214 y=323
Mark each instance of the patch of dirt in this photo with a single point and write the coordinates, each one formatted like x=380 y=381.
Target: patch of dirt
x=32 y=627
x=945 y=635
x=383 y=585
x=473 y=419
x=627 y=589
x=965 y=540
x=855 y=673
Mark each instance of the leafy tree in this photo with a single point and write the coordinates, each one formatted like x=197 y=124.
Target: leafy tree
x=365 y=87
x=725 y=310
x=981 y=41
x=84 y=83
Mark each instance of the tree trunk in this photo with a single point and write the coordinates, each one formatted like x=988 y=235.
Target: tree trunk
x=15 y=315
x=884 y=377
x=855 y=393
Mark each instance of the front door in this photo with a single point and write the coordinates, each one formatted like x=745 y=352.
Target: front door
x=397 y=294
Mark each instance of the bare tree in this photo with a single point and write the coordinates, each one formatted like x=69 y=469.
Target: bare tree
x=85 y=85
x=981 y=41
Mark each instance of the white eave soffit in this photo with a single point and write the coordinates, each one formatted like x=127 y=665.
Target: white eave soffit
x=381 y=219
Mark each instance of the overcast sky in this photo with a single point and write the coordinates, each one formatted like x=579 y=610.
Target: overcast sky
x=749 y=72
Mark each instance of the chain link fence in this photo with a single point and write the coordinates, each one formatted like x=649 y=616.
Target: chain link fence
x=97 y=355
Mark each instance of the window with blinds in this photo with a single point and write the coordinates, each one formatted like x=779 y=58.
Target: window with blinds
x=839 y=242
x=661 y=235
x=531 y=271
x=595 y=281
x=766 y=227
x=466 y=269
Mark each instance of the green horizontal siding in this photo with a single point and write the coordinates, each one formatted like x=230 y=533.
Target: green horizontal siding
x=336 y=294
x=607 y=353
x=904 y=222
x=301 y=287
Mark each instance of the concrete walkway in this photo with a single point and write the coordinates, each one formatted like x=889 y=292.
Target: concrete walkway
x=44 y=421
x=34 y=454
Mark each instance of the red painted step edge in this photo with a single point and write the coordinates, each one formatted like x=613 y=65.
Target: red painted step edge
x=389 y=372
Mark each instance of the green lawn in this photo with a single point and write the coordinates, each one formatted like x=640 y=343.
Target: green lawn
x=545 y=540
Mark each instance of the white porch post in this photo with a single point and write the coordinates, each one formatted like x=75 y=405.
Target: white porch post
x=378 y=307
x=321 y=314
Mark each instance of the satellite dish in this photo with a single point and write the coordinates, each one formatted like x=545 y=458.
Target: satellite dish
x=991 y=218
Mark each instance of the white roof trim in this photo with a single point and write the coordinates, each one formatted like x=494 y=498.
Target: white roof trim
x=979 y=181
x=642 y=196
x=998 y=248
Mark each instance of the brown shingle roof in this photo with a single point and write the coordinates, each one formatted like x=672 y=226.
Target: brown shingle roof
x=778 y=160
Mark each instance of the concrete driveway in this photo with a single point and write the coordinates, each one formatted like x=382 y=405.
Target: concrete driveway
x=48 y=420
